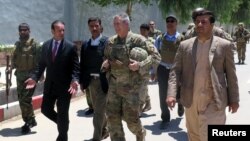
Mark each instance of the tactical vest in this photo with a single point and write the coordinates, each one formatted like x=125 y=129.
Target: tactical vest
x=241 y=36
x=168 y=49
x=119 y=54
x=25 y=55
x=93 y=56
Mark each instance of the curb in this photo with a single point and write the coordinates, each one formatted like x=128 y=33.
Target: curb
x=14 y=109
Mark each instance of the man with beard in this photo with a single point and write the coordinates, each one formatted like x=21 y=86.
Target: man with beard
x=24 y=60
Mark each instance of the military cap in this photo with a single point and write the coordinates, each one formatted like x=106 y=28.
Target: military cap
x=241 y=24
x=171 y=16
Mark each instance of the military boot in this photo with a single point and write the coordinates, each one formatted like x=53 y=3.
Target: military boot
x=25 y=129
x=239 y=62
x=147 y=106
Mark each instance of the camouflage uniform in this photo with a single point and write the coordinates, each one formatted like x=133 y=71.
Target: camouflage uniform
x=25 y=58
x=241 y=36
x=125 y=85
x=154 y=34
x=144 y=96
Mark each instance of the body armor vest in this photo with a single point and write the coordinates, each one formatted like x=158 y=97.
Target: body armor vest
x=241 y=36
x=93 y=57
x=168 y=49
x=119 y=53
x=25 y=55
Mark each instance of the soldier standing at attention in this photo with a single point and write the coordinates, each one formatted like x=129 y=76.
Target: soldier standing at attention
x=91 y=77
x=241 y=36
x=167 y=44
x=24 y=60
x=153 y=32
x=126 y=78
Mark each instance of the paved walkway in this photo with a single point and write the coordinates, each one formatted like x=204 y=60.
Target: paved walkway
x=81 y=128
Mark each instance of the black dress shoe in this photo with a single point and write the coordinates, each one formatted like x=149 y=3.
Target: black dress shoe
x=89 y=112
x=180 y=110
x=25 y=129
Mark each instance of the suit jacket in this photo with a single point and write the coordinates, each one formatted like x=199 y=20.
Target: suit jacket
x=222 y=72
x=62 y=71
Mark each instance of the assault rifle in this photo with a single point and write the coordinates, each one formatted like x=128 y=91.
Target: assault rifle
x=8 y=74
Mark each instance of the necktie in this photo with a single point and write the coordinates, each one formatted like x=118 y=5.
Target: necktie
x=54 y=51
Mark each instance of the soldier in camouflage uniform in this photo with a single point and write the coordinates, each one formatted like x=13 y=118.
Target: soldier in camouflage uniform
x=241 y=37
x=145 y=98
x=126 y=78
x=153 y=32
x=24 y=60
x=217 y=31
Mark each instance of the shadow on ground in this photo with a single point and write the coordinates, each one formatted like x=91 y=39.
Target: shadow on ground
x=172 y=129
x=13 y=132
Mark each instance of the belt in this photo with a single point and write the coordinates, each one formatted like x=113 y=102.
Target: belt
x=95 y=75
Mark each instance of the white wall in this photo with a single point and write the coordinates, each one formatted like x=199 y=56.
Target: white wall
x=40 y=13
x=37 y=13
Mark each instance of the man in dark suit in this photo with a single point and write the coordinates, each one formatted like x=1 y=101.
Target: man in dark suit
x=59 y=58
x=204 y=68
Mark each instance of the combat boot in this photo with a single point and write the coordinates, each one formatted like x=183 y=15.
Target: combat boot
x=25 y=129
x=32 y=123
x=147 y=106
x=239 y=62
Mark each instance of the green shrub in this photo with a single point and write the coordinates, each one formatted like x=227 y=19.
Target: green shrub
x=6 y=48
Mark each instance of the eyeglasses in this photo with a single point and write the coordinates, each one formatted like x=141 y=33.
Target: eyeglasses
x=170 y=21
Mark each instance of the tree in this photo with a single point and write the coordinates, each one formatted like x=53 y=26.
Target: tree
x=182 y=9
x=129 y=3
x=242 y=13
x=224 y=9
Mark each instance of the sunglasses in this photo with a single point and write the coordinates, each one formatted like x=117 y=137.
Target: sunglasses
x=170 y=21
